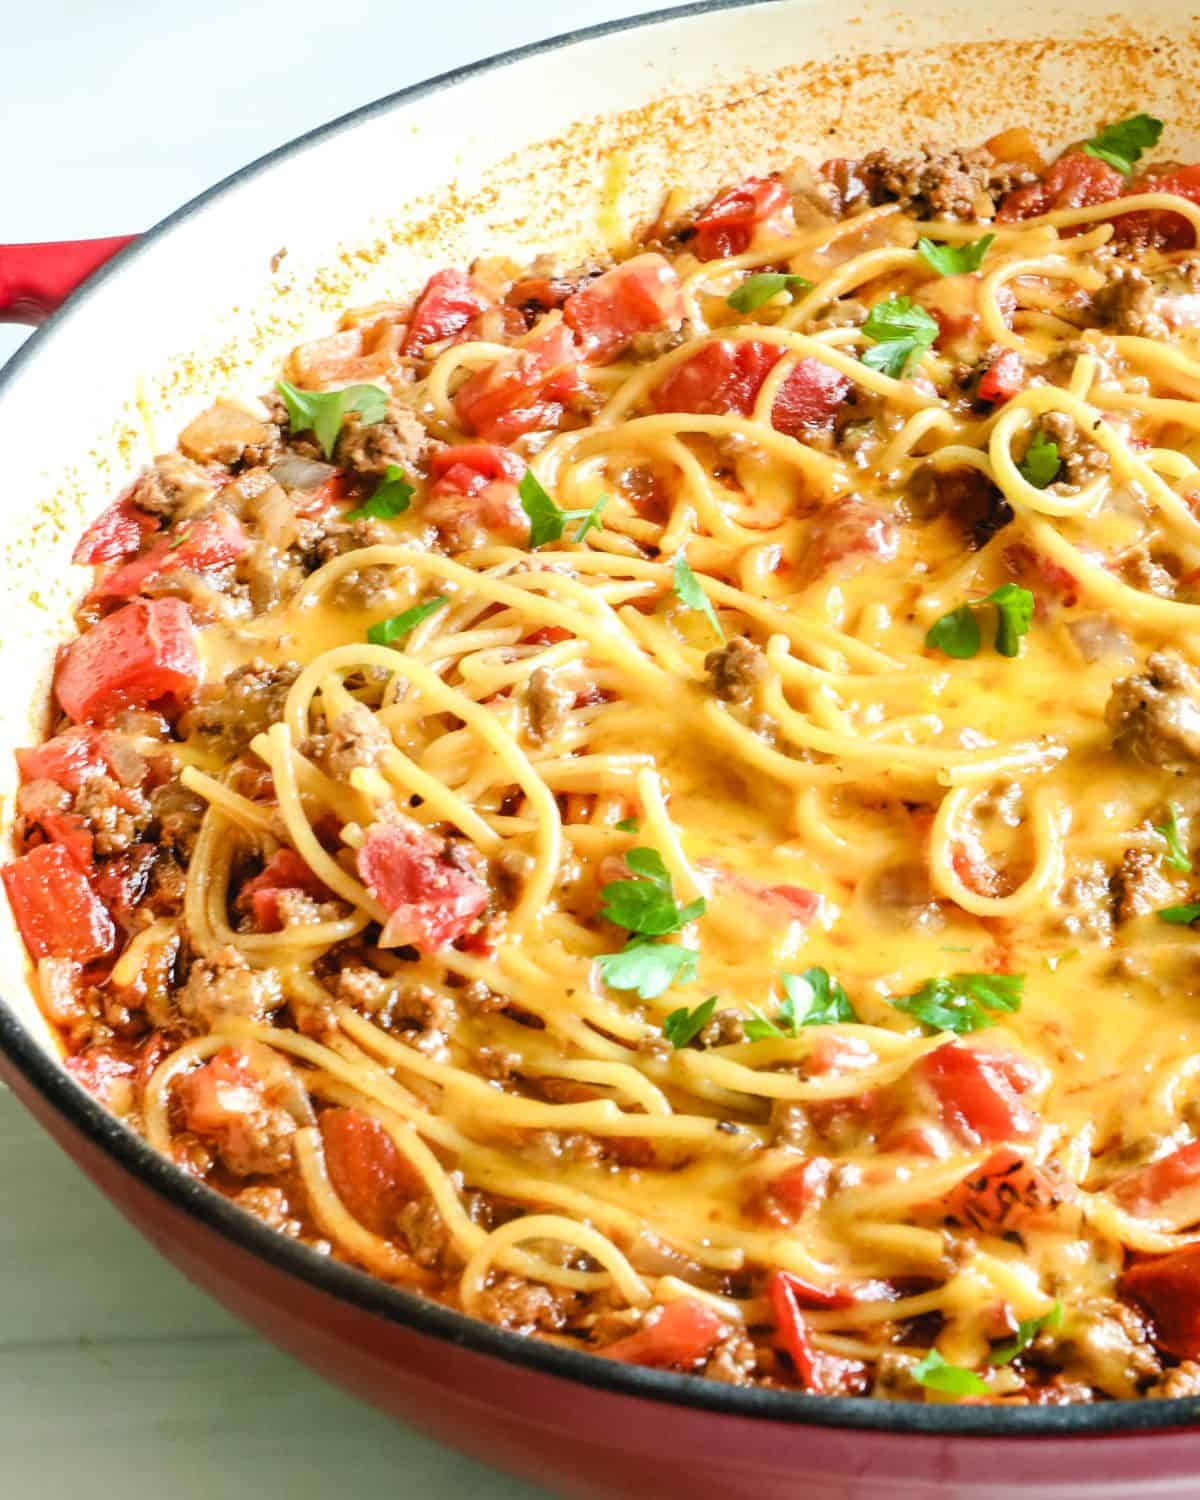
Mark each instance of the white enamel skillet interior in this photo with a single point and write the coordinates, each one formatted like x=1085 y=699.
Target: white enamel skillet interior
x=514 y=156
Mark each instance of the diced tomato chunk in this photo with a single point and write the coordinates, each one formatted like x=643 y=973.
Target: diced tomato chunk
x=810 y=1294
x=474 y=496
x=1076 y=180
x=978 y=1092
x=1167 y=1189
x=101 y=1067
x=372 y=1178
x=284 y=871
x=214 y=541
x=1159 y=228
x=431 y=901
x=846 y=536
x=445 y=307
x=71 y=833
x=144 y=653
x=1003 y=379
x=684 y=1333
x=525 y=391
x=228 y=1102
x=640 y=296
x=727 y=226
x=58 y=913
x=1168 y=1287
x=726 y=375
x=115 y=533
x=467 y=468
x=1007 y=1192
x=823 y=1374
x=327 y=498
x=801 y=1187
x=69 y=758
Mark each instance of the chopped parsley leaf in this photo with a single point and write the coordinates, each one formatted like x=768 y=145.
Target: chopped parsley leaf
x=955 y=260
x=389 y=632
x=963 y=1002
x=901 y=331
x=322 y=412
x=1041 y=463
x=546 y=522
x=761 y=287
x=1180 y=916
x=1027 y=1330
x=648 y=968
x=1177 y=856
x=690 y=593
x=392 y=497
x=1120 y=145
x=936 y=1375
x=683 y=1026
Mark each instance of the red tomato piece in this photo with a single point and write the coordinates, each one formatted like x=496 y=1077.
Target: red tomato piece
x=808 y=1294
x=1163 y=230
x=848 y=535
x=780 y=903
x=1003 y=379
x=726 y=376
x=284 y=871
x=1023 y=561
x=115 y=533
x=467 y=468
x=523 y=392
x=1166 y=1189
x=1007 y=1192
x=370 y=1175
x=1076 y=180
x=977 y=1092
x=801 y=1187
x=71 y=833
x=445 y=307
x=100 y=1067
x=58 y=913
x=431 y=901
x=683 y=1334
x=727 y=226
x=823 y=1374
x=69 y=758
x=1168 y=1287
x=144 y=653
x=328 y=497
x=640 y=296
x=214 y=541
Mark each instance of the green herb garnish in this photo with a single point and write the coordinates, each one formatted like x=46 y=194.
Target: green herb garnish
x=683 y=1026
x=1041 y=463
x=389 y=632
x=1177 y=856
x=761 y=287
x=647 y=905
x=546 y=522
x=955 y=260
x=1180 y=916
x=626 y=825
x=957 y=632
x=963 y=1002
x=691 y=595
x=901 y=331
x=1027 y=1330
x=936 y=1375
x=392 y=497
x=322 y=412
x=648 y=967
x=1120 y=145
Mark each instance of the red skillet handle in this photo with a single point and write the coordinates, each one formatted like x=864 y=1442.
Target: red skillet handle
x=35 y=279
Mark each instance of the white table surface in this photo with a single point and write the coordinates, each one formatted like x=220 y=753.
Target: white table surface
x=118 y=1380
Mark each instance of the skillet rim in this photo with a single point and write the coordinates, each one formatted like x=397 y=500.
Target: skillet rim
x=409 y=1309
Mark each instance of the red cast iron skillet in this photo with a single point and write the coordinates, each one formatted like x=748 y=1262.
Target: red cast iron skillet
x=580 y=1424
